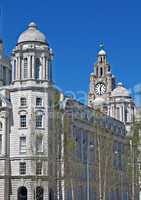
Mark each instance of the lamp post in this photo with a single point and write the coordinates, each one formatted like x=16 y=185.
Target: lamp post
x=89 y=147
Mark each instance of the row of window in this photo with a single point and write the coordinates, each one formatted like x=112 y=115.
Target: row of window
x=23 y=144
x=39 y=168
x=25 y=66
x=39 y=102
x=38 y=121
x=38 y=193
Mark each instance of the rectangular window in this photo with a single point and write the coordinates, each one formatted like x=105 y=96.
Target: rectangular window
x=22 y=145
x=38 y=101
x=23 y=121
x=22 y=168
x=23 y=101
x=39 y=168
x=39 y=144
x=25 y=71
x=0 y=144
x=39 y=119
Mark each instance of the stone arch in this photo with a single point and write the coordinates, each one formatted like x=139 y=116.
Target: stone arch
x=22 y=193
x=39 y=193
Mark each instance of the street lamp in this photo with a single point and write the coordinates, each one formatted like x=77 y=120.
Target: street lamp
x=89 y=147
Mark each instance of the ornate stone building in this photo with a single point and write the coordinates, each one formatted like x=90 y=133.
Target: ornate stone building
x=53 y=147
x=113 y=99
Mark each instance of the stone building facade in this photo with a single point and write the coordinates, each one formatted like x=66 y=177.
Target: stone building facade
x=113 y=99
x=53 y=147
x=96 y=149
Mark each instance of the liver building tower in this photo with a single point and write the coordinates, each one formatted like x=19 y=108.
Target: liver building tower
x=104 y=94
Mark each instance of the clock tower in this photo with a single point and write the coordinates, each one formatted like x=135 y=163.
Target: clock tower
x=102 y=82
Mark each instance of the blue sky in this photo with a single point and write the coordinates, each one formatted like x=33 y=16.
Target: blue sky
x=74 y=30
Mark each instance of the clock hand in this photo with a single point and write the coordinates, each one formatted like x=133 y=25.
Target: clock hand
x=100 y=89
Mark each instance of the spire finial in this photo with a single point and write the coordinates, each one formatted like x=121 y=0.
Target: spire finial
x=32 y=25
x=101 y=51
x=101 y=46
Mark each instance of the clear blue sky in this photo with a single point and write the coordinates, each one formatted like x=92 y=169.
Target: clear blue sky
x=74 y=30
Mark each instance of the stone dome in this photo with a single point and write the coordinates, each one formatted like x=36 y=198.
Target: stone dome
x=120 y=91
x=102 y=53
x=99 y=101
x=32 y=34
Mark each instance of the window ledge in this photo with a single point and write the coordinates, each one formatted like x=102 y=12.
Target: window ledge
x=21 y=128
x=40 y=107
x=40 y=128
x=23 y=107
x=40 y=153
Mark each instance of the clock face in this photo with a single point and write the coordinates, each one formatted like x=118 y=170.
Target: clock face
x=100 y=88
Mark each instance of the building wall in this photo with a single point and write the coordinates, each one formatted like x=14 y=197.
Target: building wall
x=90 y=137
x=30 y=132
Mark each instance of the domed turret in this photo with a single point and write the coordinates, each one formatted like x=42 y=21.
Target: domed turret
x=32 y=58
x=102 y=53
x=120 y=91
x=99 y=101
x=32 y=34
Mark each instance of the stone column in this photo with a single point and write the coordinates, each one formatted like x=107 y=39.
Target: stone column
x=20 y=69
x=33 y=67
x=22 y=64
x=47 y=69
x=29 y=67
x=12 y=69
x=44 y=68
x=31 y=60
x=16 y=68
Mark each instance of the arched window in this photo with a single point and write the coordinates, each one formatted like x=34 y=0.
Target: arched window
x=25 y=69
x=101 y=71
x=37 y=69
x=22 y=193
x=101 y=59
x=39 y=193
